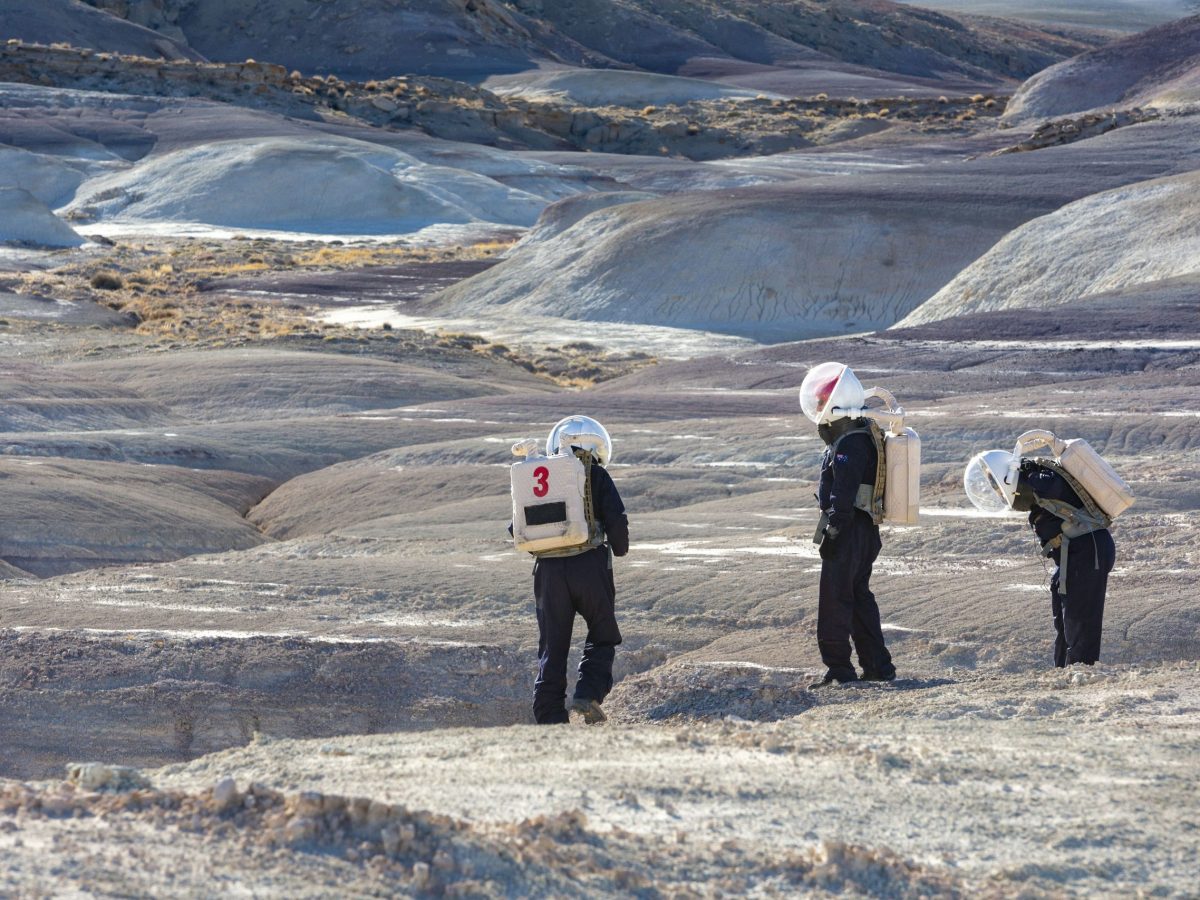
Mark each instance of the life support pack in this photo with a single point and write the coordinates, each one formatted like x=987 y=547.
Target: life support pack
x=894 y=498
x=552 y=502
x=1085 y=470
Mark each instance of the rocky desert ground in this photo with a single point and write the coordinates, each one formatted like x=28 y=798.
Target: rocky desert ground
x=282 y=281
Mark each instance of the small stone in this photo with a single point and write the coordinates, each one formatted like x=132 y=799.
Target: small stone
x=224 y=794
x=333 y=805
x=307 y=803
x=420 y=874
x=300 y=830
x=378 y=813
x=356 y=811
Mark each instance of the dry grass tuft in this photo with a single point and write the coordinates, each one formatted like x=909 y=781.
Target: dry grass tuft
x=106 y=280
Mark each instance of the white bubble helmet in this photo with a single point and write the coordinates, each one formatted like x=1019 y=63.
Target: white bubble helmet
x=829 y=392
x=583 y=432
x=990 y=481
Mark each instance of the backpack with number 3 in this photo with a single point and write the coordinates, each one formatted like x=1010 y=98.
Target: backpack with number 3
x=549 y=495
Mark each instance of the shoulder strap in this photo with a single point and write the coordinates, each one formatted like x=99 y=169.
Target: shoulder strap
x=880 y=472
x=871 y=503
x=1089 y=514
x=862 y=430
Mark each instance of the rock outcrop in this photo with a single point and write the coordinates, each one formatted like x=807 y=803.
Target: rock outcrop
x=817 y=256
x=1116 y=240
x=453 y=110
x=24 y=219
x=472 y=39
x=331 y=186
x=1158 y=68
x=75 y=23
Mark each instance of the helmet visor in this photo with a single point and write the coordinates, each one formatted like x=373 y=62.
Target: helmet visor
x=829 y=387
x=982 y=487
x=583 y=432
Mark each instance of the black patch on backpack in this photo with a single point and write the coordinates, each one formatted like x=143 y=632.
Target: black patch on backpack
x=546 y=513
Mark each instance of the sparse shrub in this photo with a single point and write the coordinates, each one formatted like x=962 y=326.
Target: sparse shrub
x=977 y=98
x=943 y=99
x=371 y=86
x=693 y=128
x=883 y=112
x=988 y=104
x=106 y=280
x=822 y=97
x=649 y=110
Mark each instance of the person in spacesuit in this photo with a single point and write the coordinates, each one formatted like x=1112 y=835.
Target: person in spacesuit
x=578 y=580
x=1072 y=532
x=832 y=397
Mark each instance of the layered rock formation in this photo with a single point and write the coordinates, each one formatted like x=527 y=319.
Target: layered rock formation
x=1158 y=68
x=1113 y=241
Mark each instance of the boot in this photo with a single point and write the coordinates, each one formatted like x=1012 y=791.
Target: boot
x=589 y=709
x=835 y=676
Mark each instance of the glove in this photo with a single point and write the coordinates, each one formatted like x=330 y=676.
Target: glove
x=828 y=548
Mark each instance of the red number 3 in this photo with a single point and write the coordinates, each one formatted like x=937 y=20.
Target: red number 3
x=541 y=475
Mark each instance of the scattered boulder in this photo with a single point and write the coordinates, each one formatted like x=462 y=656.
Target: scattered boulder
x=1067 y=131
x=94 y=776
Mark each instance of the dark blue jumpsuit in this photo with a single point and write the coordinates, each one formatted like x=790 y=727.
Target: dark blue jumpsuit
x=583 y=584
x=847 y=608
x=1078 y=614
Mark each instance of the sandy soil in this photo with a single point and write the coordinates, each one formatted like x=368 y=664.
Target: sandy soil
x=1036 y=785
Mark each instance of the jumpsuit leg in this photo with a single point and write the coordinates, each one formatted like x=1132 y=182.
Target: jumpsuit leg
x=556 y=618
x=835 y=607
x=1056 y=607
x=866 y=629
x=595 y=595
x=1091 y=559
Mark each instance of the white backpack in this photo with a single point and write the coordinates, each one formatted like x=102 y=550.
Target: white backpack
x=1084 y=466
x=550 y=497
